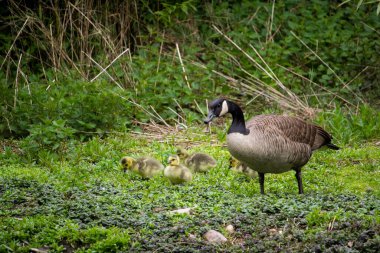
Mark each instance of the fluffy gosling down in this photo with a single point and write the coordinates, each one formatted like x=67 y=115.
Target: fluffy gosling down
x=270 y=143
x=146 y=167
x=177 y=173
x=236 y=165
x=197 y=162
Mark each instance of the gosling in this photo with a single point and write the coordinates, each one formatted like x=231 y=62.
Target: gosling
x=236 y=165
x=146 y=167
x=177 y=173
x=196 y=162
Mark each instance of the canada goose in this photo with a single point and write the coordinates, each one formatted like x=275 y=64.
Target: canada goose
x=176 y=172
x=270 y=143
x=197 y=162
x=146 y=167
x=238 y=166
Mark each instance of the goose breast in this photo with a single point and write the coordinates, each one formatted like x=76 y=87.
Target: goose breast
x=266 y=149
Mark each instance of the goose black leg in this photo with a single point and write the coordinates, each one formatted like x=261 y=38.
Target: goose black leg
x=299 y=181
x=261 y=181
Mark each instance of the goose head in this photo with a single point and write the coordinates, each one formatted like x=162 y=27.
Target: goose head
x=220 y=107
x=217 y=108
x=233 y=162
x=127 y=162
x=182 y=153
x=173 y=160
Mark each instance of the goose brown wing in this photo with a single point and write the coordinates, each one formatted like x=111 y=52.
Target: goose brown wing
x=294 y=129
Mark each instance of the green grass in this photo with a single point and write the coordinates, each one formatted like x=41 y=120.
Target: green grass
x=82 y=201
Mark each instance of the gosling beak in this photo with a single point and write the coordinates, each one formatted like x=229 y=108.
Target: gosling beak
x=209 y=118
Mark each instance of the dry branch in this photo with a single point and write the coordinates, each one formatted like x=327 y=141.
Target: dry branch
x=14 y=41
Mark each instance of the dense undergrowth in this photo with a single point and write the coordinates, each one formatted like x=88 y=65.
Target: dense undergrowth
x=324 y=54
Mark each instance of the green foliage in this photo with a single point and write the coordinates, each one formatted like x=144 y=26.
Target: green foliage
x=62 y=110
x=49 y=135
x=172 y=12
x=342 y=37
x=317 y=217
x=88 y=204
x=167 y=88
x=352 y=127
x=98 y=239
x=61 y=236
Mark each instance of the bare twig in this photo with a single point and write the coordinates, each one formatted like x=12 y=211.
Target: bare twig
x=277 y=80
x=183 y=67
x=179 y=116
x=112 y=62
x=180 y=107
x=16 y=82
x=320 y=86
x=255 y=87
x=259 y=86
x=342 y=3
x=103 y=71
x=370 y=27
x=269 y=34
x=14 y=41
x=133 y=102
x=316 y=55
x=348 y=83
x=109 y=43
x=159 y=61
x=199 y=108
x=324 y=63
x=159 y=116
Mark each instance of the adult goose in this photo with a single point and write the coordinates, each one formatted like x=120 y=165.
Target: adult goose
x=270 y=143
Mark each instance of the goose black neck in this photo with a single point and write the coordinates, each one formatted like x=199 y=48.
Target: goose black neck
x=238 y=122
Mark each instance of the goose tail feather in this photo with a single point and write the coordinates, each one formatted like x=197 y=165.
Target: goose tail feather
x=332 y=146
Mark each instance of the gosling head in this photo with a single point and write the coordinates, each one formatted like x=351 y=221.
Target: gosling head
x=181 y=152
x=233 y=162
x=173 y=160
x=216 y=108
x=127 y=162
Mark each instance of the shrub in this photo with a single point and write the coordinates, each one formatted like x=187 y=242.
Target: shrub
x=351 y=127
x=70 y=108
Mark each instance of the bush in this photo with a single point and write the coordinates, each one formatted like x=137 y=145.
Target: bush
x=70 y=108
x=351 y=127
x=342 y=36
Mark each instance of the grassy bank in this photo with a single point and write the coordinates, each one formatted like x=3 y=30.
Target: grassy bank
x=83 y=202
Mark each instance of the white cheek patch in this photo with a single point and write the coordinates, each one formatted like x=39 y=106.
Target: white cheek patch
x=224 y=108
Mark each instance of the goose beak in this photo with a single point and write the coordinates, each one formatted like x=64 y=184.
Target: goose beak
x=209 y=118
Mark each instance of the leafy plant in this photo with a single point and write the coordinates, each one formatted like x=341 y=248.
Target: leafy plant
x=52 y=134
x=351 y=127
x=86 y=108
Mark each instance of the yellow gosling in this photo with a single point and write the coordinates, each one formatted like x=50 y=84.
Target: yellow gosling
x=240 y=167
x=196 y=162
x=177 y=173
x=146 y=167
